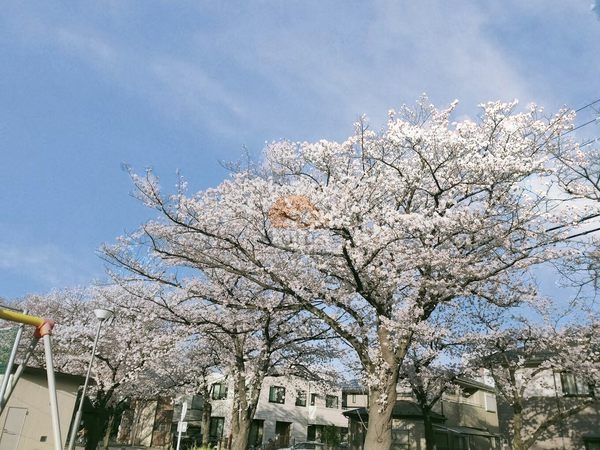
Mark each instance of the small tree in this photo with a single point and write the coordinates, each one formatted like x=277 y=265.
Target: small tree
x=430 y=368
x=331 y=436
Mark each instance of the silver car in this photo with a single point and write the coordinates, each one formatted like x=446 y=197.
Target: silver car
x=306 y=446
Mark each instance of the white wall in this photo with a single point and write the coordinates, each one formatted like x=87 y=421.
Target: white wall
x=31 y=394
x=299 y=416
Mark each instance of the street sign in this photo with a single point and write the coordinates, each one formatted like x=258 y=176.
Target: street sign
x=181 y=425
x=183 y=411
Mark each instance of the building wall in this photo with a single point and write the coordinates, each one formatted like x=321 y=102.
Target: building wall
x=355 y=399
x=274 y=416
x=479 y=410
x=408 y=434
x=29 y=410
x=147 y=423
x=542 y=384
x=567 y=434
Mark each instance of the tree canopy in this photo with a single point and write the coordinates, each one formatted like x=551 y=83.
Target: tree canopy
x=371 y=235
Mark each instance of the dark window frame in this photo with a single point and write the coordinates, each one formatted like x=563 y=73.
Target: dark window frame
x=301 y=398
x=573 y=386
x=332 y=401
x=277 y=394
x=219 y=391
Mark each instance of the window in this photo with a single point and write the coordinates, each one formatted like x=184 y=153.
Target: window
x=277 y=394
x=591 y=443
x=197 y=402
x=401 y=439
x=313 y=399
x=314 y=432
x=255 y=437
x=301 y=398
x=219 y=391
x=331 y=401
x=216 y=428
x=490 y=402
x=573 y=386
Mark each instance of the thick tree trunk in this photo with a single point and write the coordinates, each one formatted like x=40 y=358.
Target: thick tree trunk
x=95 y=429
x=108 y=430
x=382 y=392
x=239 y=436
x=430 y=443
x=517 y=428
x=206 y=412
x=381 y=404
x=245 y=400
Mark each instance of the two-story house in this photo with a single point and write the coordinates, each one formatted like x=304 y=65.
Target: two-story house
x=562 y=400
x=464 y=419
x=289 y=410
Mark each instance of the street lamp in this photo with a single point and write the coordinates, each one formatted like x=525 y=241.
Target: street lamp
x=102 y=315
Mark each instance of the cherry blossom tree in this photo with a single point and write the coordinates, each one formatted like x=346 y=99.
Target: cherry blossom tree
x=252 y=333
x=579 y=175
x=134 y=341
x=189 y=367
x=372 y=234
x=524 y=361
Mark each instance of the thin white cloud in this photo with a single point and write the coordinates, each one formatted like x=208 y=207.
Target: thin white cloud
x=271 y=65
x=177 y=88
x=45 y=266
x=184 y=88
x=373 y=62
x=92 y=49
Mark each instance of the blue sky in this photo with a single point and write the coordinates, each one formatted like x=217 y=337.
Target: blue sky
x=86 y=87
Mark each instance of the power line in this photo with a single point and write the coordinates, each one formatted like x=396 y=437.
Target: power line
x=596 y=119
x=584 y=124
x=588 y=105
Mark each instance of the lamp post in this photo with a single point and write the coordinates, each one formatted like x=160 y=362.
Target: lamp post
x=102 y=315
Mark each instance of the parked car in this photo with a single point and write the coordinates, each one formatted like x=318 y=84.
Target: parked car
x=306 y=446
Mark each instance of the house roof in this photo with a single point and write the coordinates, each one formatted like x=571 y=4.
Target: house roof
x=532 y=358
x=470 y=383
x=353 y=387
x=464 y=430
x=403 y=409
x=41 y=372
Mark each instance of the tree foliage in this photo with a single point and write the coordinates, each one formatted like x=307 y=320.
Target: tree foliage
x=372 y=234
x=527 y=362
x=128 y=347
